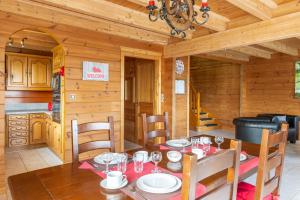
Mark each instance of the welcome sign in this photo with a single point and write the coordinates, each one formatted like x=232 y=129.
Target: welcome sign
x=94 y=71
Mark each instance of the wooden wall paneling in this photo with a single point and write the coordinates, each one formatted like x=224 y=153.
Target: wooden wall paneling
x=268 y=86
x=167 y=89
x=2 y=117
x=219 y=86
x=180 y=104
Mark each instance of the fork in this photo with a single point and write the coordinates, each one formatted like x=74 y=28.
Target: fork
x=136 y=192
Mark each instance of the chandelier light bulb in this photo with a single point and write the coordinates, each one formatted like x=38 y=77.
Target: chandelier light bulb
x=11 y=41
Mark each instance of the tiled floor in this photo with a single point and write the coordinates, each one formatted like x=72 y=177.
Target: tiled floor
x=28 y=160
x=290 y=184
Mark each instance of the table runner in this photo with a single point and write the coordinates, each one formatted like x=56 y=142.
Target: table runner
x=132 y=177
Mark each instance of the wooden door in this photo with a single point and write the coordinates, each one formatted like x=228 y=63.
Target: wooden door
x=57 y=139
x=39 y=73
x=37 y=130
x=16 y=66
x=144 y=93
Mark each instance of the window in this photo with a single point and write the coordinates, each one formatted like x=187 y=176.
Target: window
x=297 y=80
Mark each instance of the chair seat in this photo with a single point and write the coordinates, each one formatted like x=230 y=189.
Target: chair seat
x=246 y=191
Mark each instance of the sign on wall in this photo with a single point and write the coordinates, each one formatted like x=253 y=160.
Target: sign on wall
x=94 y=71
x=297 y=80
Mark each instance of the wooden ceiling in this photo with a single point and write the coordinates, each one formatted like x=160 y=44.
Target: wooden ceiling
x=129 y=18
x=34 y=40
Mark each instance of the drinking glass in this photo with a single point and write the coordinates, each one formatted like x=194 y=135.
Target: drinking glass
x=156 y=157
x=206 y=145
x=194 y=142
x=138 y=159
x=122 y=162
x=219 y=140
x=107 y=158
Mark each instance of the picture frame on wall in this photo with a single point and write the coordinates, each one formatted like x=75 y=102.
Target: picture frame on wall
x=179 y=86
x=297 y=79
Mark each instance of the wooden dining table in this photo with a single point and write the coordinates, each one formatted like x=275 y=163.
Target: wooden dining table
x=68 y=182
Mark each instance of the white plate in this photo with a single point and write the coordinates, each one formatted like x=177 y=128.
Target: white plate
x=98 y=159
x=103 y=184
x=178 y=143
x=243 y=157
x=158 y=183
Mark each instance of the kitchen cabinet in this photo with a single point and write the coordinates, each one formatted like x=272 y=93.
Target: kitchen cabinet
x=17 y=130
x=28 y=72
x=37 y=129
x=39 y=72
x=17 y=71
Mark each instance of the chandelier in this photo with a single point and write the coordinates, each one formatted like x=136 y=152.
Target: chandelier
x=180 y=15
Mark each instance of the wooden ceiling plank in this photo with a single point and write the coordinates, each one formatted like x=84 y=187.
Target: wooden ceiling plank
x=59 y=16
x=282 y=47
x=253 y=51
x=253 y=7
x=216 y=22
x=270 y=3
x=229 y=54
x=265 y=31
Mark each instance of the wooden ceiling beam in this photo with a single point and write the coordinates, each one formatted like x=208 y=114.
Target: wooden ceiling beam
x=286 y=8
x=264 y=31
x=110 y=11
x=63 y=17
x=253 y=7
x=270 y=3
x=282 y=47
x=216 y=22
x=253 y=51
x=231 y=55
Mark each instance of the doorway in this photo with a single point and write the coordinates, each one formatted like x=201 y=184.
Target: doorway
x=140 y=92
x=33 y=139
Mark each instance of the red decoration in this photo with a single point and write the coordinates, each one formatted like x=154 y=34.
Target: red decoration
x=62 y=71
x=50 y=106
x=204 y=4
x=151 y=3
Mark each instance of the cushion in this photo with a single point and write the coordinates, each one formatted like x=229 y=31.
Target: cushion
x=246 y=191
x=279 y=119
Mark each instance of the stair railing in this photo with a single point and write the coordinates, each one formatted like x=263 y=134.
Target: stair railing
x=195 y=103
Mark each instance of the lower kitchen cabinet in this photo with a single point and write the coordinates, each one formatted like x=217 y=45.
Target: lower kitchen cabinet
x=37 y=129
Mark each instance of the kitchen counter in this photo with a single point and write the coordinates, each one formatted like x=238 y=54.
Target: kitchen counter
x=18 y=112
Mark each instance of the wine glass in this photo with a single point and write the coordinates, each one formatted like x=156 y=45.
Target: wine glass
x=156 y=157
x=107 y=157
x=184 y=144
x=219 y=140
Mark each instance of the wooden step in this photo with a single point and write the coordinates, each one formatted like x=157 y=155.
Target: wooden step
x=206 y=119
x=208 y=127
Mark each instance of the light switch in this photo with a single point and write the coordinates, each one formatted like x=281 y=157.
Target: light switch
x=72 y=97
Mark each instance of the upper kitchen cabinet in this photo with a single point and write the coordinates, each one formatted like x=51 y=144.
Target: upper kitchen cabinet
x=39 y=73
x=17 y=71
x=28 y=72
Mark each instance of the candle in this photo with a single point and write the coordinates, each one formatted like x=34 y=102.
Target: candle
x=204 y=3
x=151 y=2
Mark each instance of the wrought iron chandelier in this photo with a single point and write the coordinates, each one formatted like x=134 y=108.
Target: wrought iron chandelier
x=179 y=14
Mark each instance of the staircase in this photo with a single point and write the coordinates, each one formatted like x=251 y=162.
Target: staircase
x=200 y=120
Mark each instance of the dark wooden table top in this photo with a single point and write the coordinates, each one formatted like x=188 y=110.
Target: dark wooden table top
x=68 y=182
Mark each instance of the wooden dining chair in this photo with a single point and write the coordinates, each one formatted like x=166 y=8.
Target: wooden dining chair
x=150 y=134
x=267 y=186
x=196 y=170
x=78 y=129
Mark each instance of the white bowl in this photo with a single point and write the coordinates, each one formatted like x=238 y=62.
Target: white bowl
x=174 y=156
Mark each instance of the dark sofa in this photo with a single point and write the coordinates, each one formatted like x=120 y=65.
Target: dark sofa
x=293 y=122
x=250 y=128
